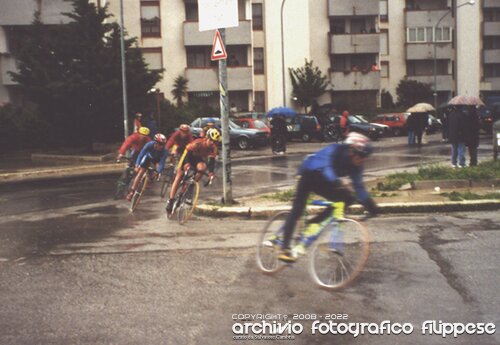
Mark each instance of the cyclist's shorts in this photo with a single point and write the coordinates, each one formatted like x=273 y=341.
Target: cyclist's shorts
x=193 y=161
x=147 y=160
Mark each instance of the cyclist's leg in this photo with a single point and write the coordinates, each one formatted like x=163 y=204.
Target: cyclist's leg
x=299 y=203
x=200 y=169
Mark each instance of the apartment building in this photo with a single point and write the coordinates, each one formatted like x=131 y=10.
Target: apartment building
x=363 y=46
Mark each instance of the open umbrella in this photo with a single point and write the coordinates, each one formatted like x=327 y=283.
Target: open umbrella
x=465 y=100
x=285 y=111
x=420 y=108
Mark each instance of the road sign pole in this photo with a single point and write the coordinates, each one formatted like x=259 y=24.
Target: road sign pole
x=224 y=115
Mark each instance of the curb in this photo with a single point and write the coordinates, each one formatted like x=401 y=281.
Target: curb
x=262 y=212
x=44 y=174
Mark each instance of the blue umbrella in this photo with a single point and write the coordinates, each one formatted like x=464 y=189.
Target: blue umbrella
x=285 y=111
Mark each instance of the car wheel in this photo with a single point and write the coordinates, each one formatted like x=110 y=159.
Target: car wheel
x=243 y=143
x=396 y=132
x=306 y=137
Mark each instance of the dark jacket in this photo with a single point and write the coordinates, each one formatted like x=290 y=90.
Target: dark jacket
x=421 y=121
x=471 y=127
x=278 y=126
x=456 y=126
x=411 y=123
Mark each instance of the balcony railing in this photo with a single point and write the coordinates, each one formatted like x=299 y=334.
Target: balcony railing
x=353 y=8
x=425 y=51
x=428 y=18
x=491 y=28
x=443 y=82
x=355 y=44
x=492 y=56
x=352 y=81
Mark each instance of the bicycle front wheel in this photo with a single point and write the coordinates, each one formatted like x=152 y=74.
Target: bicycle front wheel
x=167 y=179
x=136 y=198
x=187 y=202
x=340 y=254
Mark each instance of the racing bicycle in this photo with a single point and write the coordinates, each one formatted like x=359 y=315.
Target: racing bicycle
x=141 y=188
x=187 y=196
x=337 y=251
x=123 y=182
x=167 y=178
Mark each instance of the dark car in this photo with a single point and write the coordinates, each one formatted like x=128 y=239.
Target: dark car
x=365 y=128
x=434 y=125
x=243 y=138
x=384 y=129
x=304 y=127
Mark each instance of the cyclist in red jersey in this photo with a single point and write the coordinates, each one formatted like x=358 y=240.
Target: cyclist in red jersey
x=199 y=154
x=135 y=142
x=177 y=143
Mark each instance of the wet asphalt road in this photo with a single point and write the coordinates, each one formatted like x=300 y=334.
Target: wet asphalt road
x=78 y=268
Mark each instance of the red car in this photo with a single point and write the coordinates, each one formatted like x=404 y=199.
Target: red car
x=395 y=121
x=246 y=122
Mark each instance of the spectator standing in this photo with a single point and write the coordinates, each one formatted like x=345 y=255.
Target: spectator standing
x=138 y=121
x=421 y=121
x=472 y=133
x=456 y=136
x=344 y=124
x=410 y=125
x=278 y=134
x=444 y=123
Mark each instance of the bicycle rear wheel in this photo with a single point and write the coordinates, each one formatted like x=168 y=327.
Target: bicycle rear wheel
x=136 y=198
x=269 y=244
x=167 y=178
x=339 y=255
x=187 y=202
x=123 y=183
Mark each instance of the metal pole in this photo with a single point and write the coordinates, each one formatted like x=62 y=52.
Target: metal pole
x=471 y=2
x=158 y=109
x=224 y=115
x=124 y=74
x=283 y=53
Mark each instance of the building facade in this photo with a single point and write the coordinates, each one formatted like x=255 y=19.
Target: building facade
x=365 y=47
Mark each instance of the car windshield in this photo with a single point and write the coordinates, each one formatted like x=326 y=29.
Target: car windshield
x=354 y=119
x=259 y=124
x=360 y=118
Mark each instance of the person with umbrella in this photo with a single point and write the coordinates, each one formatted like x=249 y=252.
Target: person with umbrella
x=278 y=134
x=456 y=136
x=472 y=132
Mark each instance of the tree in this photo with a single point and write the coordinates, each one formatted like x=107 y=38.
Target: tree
x=410 y=92
x=308 y=83
x=386 y=99
x=179 y=90
x=72 y=72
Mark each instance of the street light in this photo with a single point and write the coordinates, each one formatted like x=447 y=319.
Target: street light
x=470 y=2
x=283 y=53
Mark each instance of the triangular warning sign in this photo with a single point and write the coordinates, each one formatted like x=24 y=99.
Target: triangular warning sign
x=218 y=50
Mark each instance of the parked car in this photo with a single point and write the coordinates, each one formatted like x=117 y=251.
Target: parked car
x=250 y=115
x=245 y=122
x=395 y=121
x=434 y=125
x=243 y=138
x=304 y=127
x=385 y=129
x=356 y=125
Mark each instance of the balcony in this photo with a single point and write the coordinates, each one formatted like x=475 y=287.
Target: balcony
x=21 y=12
x=491 y=3
x=355 y=44
x=355 y=81
x=240 y=35
x=491 y=29
x=443 y=82
x=494 y=82
x=424 y=51
x=353 y=8
x=207 y=79
x=428 y=18
x=492 y=56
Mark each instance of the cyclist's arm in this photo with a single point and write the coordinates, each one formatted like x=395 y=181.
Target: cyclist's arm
x=211 y=159
x=171 y=141
x=142 y=153
x=361 y=193
x=161 y=166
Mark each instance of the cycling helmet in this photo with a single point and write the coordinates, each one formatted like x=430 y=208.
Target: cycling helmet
x=359 y=143
x=160 y=138
x=143 y=131
x=214 y=134
x=184 y=128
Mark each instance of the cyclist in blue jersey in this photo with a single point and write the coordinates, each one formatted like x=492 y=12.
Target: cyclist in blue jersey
x=320 y=173
x=153 y=152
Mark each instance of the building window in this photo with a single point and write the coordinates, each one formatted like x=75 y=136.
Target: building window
x=443 y=34
x=150 y=19
x=491 y=42
x=191 y=11
x=428 y=34
x=199 y=57
x=384 y=42
x=257 y=18
x=383 y=10
x=153 y=58
x=384 y=69
x=491 y=15
x=492 y=70
x=260 y=101
x=258 y=60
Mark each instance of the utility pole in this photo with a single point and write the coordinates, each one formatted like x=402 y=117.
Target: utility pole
x=124 y=74
x=224 y=116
